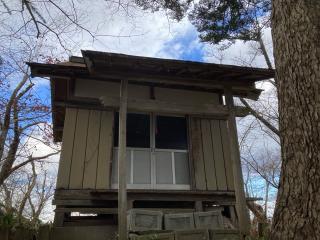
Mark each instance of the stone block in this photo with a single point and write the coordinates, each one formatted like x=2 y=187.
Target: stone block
x=197 y=234
x=154 y=236
x=211 y=219
x=143 y=220
x=179 y=221
x=224 y=234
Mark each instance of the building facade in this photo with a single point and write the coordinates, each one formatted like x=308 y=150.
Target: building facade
x=181 y=147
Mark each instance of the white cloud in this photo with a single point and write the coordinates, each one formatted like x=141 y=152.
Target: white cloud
x=140 y=33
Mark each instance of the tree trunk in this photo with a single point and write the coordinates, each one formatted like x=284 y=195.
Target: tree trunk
x=296 y=39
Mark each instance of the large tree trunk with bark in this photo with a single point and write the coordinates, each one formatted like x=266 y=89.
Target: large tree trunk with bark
x=296 y=39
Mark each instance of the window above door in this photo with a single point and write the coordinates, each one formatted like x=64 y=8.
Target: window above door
x=138 y=130
x=171 y=132
x=157 y=152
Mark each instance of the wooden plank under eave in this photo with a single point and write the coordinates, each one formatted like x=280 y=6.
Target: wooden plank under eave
x=208 y=157
x=158 y=106
x=218 y=155
x=79 y=150
x=197 y=154
x=67 y=148
x=92 y=149
x=226 y=153
x=105 y=150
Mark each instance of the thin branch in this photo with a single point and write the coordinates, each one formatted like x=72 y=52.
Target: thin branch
x=73 y=21
x=30 y=159
x=264 y=51
x=272 y=183
x=26 y=196
x=7 y=115
x=30 y=11
x=7 y=165
x=31 y=125
x=259 y=117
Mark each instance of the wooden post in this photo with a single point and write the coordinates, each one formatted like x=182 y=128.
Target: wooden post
x=58 y=218
x=198 y=206
x=122 y=168
x=241 y=205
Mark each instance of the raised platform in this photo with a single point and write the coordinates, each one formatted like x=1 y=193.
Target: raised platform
x=99 y=207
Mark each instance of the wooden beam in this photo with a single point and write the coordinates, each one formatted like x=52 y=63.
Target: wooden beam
x=86 y=210
x=111 y=103
x=241 y=206
x=149 y=105
x=122 y=165
x=107 y=198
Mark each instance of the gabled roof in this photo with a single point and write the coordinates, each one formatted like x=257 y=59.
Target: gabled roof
x=169 y=73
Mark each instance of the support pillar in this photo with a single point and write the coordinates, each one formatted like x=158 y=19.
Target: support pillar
x=122 y=168
x=241 y=205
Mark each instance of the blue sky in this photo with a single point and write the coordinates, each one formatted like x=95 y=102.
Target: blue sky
x=185 y=47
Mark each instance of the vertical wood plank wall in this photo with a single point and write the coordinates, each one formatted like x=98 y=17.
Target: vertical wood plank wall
x=85 y=161
x=210 y=154
x=86 y=156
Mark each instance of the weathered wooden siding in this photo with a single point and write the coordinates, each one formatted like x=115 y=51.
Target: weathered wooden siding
x=185 y=96
x=85 y=160
x=97 y=89
x=210 y=154
x=87 y=152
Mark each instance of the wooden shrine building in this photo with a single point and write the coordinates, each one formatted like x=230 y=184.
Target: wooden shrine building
x=167 y=126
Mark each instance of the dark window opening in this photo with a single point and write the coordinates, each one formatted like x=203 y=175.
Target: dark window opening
x=171 y=132
x=138 y=130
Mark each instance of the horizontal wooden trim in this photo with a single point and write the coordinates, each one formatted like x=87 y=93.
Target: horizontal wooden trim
x=148 y=105
x=102 y=210
x=73 y=204
x=85 y=210
x=103 y=197
x=253 y=199
x=205 y=110
x=86 y=192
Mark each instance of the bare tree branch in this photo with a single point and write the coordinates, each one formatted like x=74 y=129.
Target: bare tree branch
x=259 y=117
x=7 y=115
x=257 y=170
x=8 y=162
x=31 y=159
x=30 y=11
x=264 y=51
x=27 y=194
